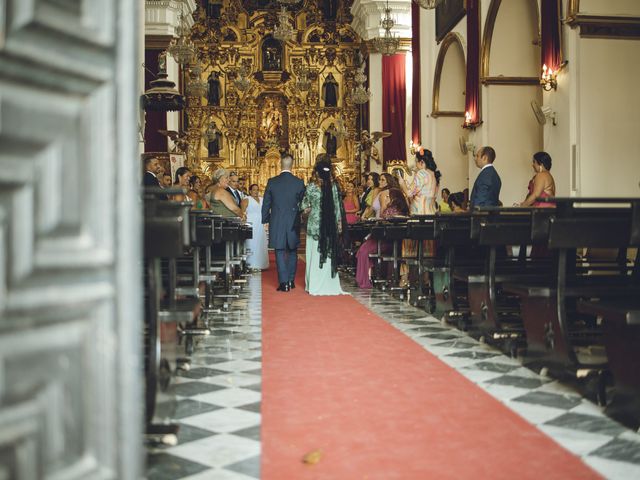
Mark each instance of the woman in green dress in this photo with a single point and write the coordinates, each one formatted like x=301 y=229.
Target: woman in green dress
x=324 y=226
x=220 y=200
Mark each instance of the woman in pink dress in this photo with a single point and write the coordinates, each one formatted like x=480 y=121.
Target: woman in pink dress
x=542 y=184
x=351 y=203
x=396 y=206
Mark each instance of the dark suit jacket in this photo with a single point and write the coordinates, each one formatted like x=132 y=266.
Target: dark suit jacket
x=486 y=189
x=150 y=180
x=237 y=199
x=281 y=210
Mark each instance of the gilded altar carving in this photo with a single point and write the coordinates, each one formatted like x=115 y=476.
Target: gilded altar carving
x=269 y=96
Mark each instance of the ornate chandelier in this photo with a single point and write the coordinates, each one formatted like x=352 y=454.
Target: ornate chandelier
x=428 y=4
x=196 y=87
x=182 y=48
x=387 y=44
x=283 y=30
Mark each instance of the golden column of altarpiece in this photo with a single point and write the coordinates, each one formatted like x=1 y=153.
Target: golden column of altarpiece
x=266 y=96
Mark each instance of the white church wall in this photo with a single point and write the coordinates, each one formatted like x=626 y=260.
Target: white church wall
x=608 y=102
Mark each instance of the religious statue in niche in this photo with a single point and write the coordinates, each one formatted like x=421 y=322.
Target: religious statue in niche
x=271 y=124
x=215 y=140
x=329 y=9
x=214 y=9
x=330 y=91
x=162 y=62
x=330 y=140
x=214 y=93
x=271 y=55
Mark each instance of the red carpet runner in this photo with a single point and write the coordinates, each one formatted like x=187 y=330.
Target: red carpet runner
x=339 y=379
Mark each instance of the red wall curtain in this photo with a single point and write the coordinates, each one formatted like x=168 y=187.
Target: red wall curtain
x=394 y=102
x=153 y=141
x=415 y=87
x=551 y=48
x=472 y=97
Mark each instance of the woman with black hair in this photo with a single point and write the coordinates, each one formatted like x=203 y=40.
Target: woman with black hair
x=542 y=184
x=324 y=226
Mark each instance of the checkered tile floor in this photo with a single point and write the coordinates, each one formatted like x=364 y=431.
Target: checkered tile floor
x=217 y=402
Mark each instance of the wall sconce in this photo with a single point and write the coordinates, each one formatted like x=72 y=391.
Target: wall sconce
x=468 y=121
x=548 y=79
x=413 y=147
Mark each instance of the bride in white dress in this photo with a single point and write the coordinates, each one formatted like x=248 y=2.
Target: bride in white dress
x=258 y=257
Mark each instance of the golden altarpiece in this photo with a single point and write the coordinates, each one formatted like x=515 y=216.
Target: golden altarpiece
x=265 y=95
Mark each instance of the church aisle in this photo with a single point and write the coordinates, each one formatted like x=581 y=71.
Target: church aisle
x=218 y=401
x=368 y=402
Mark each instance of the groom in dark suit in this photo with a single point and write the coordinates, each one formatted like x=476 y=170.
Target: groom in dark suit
x=281 y=210
x=486 y=188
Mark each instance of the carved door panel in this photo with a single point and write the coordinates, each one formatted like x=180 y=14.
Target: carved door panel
x=69 y=230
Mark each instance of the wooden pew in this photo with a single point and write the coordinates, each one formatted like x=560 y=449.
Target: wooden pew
x=559 y=337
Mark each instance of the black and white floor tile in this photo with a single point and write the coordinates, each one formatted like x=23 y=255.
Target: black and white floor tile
x=555 y=408
x=217 y=401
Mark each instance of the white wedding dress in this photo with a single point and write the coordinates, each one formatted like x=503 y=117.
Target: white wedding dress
x=258 y=257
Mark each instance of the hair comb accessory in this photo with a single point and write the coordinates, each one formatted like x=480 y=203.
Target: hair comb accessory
x=421 y=150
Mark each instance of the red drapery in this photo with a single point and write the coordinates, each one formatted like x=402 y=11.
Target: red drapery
x=153 y=141
x=415 y=87
x=394 y=101
x=551 y=48
x=472 y=97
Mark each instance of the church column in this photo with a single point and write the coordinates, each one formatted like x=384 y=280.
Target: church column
x=375 y=104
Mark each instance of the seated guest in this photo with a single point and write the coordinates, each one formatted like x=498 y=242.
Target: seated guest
x=396 y=206
x=542 y=184
x=373 y=185
x=443 y=205
x=183 y=174
x=381 y=198
x=195 y=189
x=221 y=201
x=165 y=182
x=351 y=202
x=456 y=202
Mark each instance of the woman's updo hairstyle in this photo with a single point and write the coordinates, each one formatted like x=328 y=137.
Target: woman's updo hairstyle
x=543 y=158
x=424 y=155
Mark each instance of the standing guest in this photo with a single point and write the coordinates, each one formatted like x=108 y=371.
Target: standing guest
x=542 y=184
x=397 y=206
x=486 y=188
x=465 y=205
x=280 y=209
x=443 y=205
x=233 y=188
x=324 y=227
x=221 y=201
x=422 y=191
x=152 y=169
x=242 y=187
x=258 y=258
x=351 y=202
x=195 y=193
